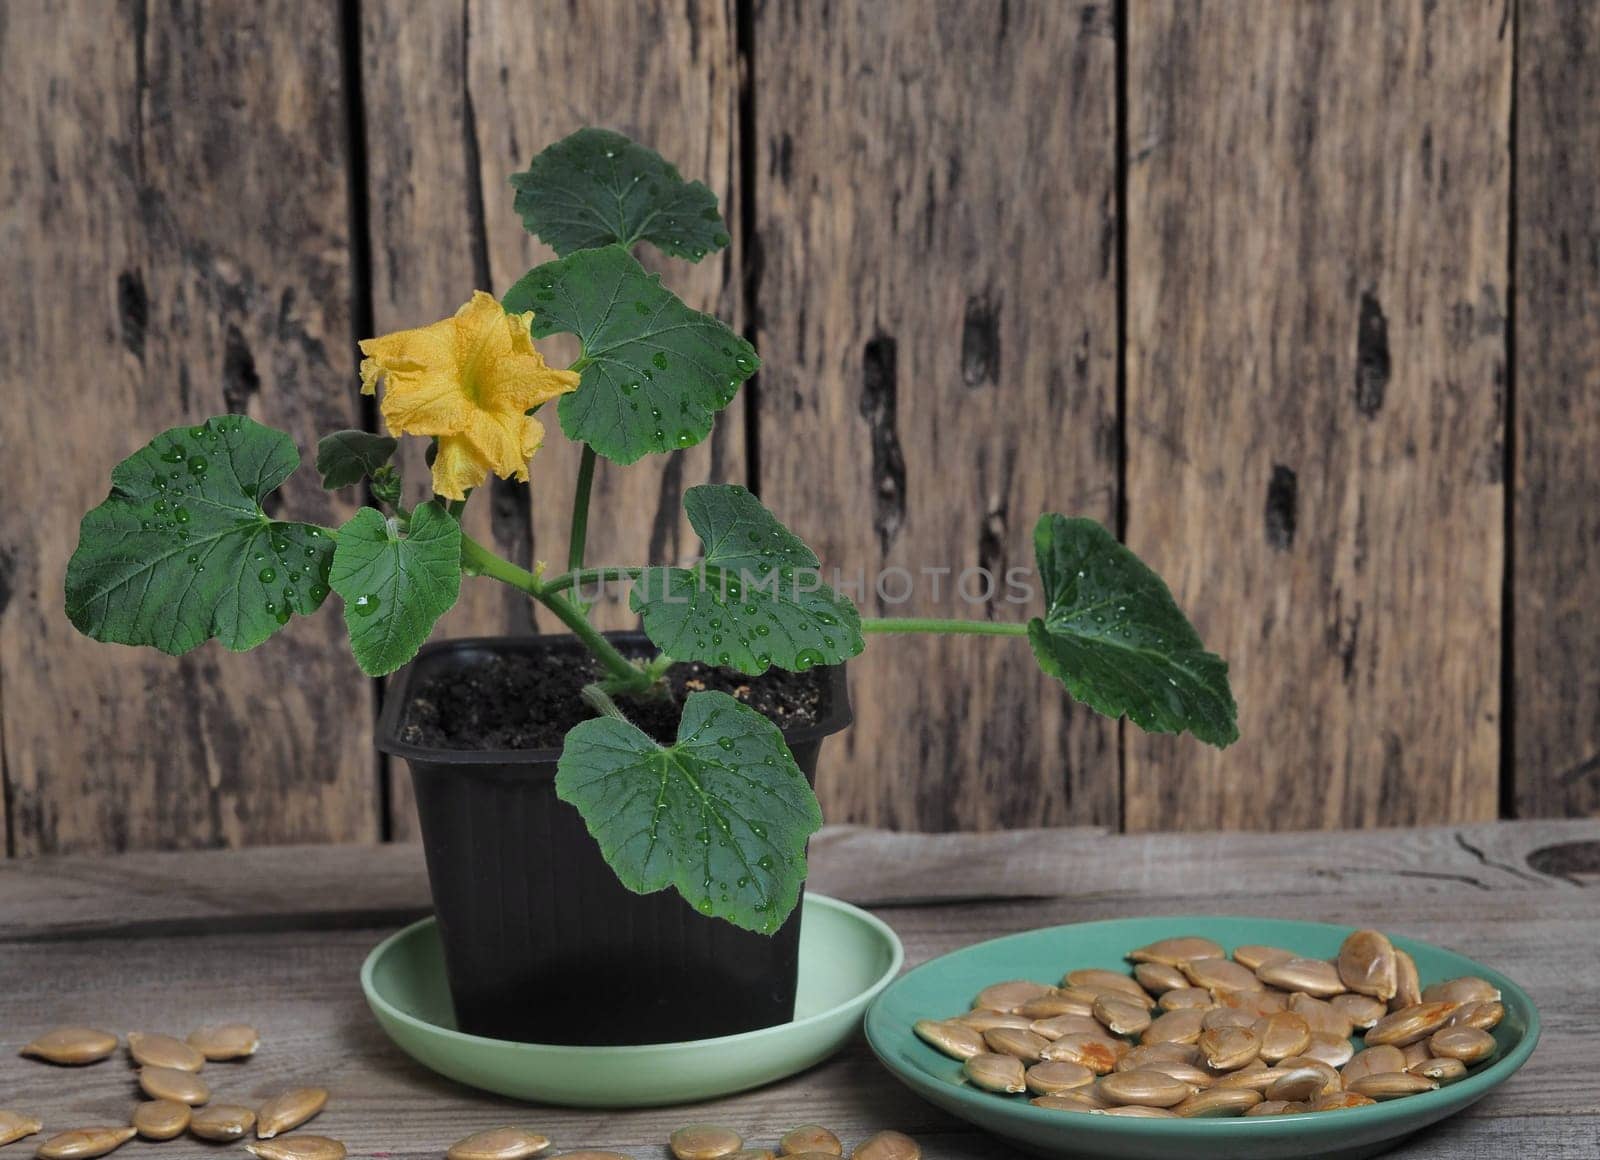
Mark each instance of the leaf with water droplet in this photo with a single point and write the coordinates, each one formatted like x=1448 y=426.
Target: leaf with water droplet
x=596 y=188
x=395 y=586
x=1147 y=661
x=803 y=616
x=670 y=358
x=173 y=583
x=748 y=791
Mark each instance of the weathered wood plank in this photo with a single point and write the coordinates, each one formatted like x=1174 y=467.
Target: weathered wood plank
x=1315 y=398
x=461 y=97
x=176 y=243
x=938 y=323
x=1556 y=491
x=276 y=888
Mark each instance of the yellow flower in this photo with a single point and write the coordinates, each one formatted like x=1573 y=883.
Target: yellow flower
x=470 y=381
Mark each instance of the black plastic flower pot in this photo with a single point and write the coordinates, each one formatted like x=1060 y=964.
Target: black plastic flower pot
x=541 y=943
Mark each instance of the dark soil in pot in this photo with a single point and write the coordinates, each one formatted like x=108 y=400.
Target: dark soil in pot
x=541 y=942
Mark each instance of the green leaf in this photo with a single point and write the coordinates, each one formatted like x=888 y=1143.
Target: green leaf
x=596 y=188
x=395 y=585
x=654 y=373
x=181 y=550
x=723 y=814
x=758 y=598
x=1113 y=635
x=347 y=457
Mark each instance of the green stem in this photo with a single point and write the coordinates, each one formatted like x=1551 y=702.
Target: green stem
x=585 y=576
x=580 y=510
x=626 y=675
x=600 y=701
x=935 y=624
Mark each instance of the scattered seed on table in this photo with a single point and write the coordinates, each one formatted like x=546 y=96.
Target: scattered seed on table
x=222 y=1122
x=83 y=1143
x=810 y=1138
x=226 y=1041
x=161 y=1119
x=72 y=1046
x=704 y=1142
x=153 y=1050
x=167 y=1083
x=507 y=1143
x=288 y=1110
x=887 y=1146
x=15 y=1125
x=302 y=1147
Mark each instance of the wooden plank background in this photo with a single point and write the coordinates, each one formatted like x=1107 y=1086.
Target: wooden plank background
x=1301 y=299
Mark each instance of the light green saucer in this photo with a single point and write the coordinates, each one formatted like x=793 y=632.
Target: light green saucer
x=846 y=958
x=947 y=985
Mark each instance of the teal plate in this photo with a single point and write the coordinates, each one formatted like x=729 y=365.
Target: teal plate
x=947 y=985
x=846 y=958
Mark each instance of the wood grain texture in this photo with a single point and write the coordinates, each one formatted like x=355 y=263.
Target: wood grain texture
x=458 y=99
x=1556 y=495
x=1315 y=398
x=295 y=974
x=937 y=316
x=174 y=223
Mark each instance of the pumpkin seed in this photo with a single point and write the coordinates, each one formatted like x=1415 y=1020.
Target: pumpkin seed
x=1282 y=1035
x=1362 y=1010
x=1147 y=1054
x=161 y=1119
x=1222 y=975
x=301 y=1147
x=1391 y=1085
x=887 y=1146
x=1151 y=1089
x=1256 y=1076
x=168 y=1083
x=1139 y=1111
x=222 y=1122
x=1007 y=997
x=1311 y=976
x=1321 y=1016
x=702 y=1142
x=1409 y=1024
x=1484 y=1015
x=1334 y=1101
x=1067 y=1025
x=1068 y=1102
x=1407 y=983
x=1256 y=957
x=1195 y=1077
x=982 y=1021
x=1175 y=952
x=83 y=1143
x=290 y=1109
x=15 y=1125
x=1159 y=978
x=226 y=1041
x=1092 y=977
x=1186 y=998
x=1121 y=1016
x=1333 y=1050
x=1068 y=1002
x=1300 y=1083
x=1258 y=1003
x=508 y=1143
x=1098 y=1053
x=1227 y=1048
x=954 y=1039
x=810 y=1138
x=1024 y=1045
x=1227 y=1017
x=1416 y=1053
x=1367 y=964
x=1466 y=989
x=1174 y=1027
x=1374 y=1061
x=1467 y=1044
x=997 y=1073
x=150 y=1050
x=1057 y=1075
x=1442 y=1070
x=1276 y=1108
x=1331 y=1080
x=73 y=1047
x=1218 y=1102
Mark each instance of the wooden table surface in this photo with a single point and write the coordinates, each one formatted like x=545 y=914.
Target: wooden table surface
x=276 y=936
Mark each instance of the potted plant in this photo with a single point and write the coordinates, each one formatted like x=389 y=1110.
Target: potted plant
x=565 y=783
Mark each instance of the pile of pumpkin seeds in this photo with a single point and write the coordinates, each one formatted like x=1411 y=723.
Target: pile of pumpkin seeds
x=1193 y=1032
x=178 y=1099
